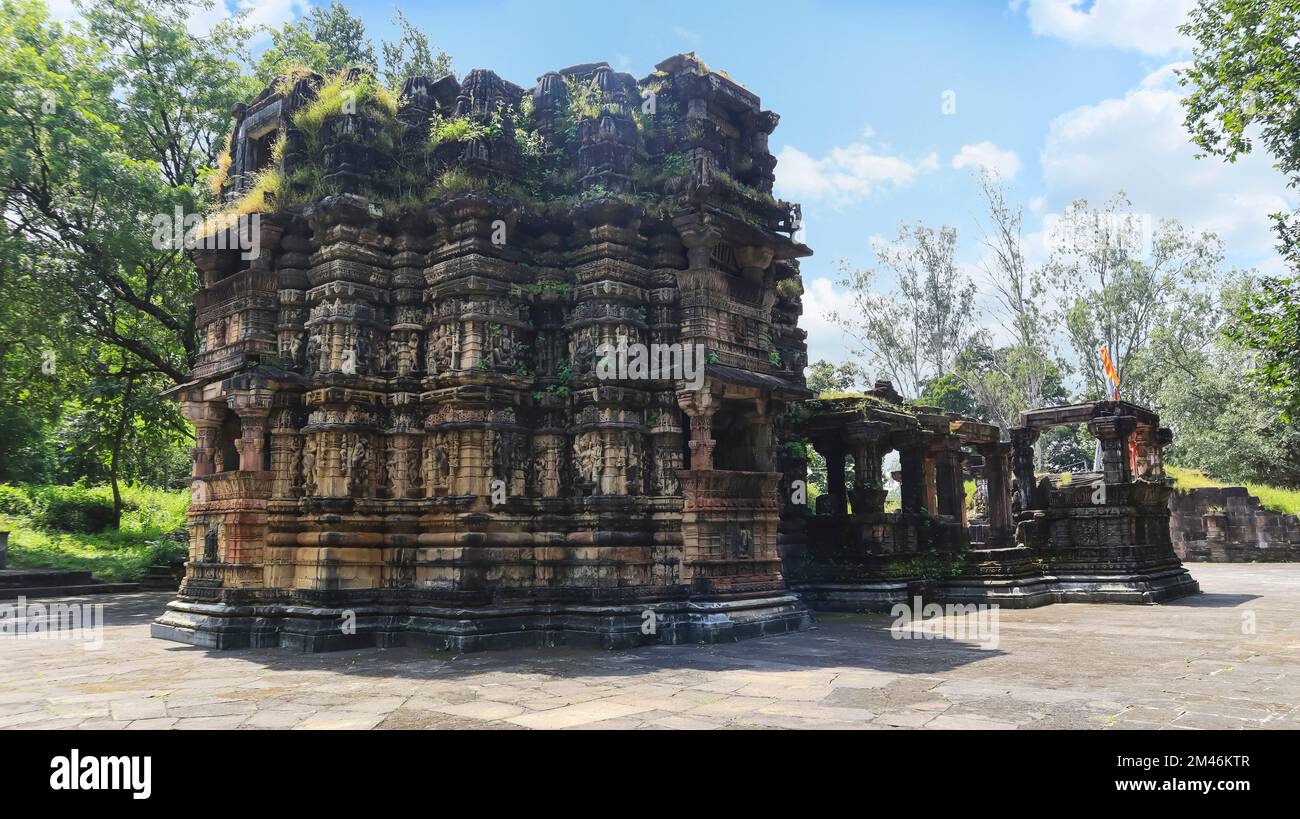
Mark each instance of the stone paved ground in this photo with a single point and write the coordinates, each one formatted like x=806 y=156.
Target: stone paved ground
x=1183 y=665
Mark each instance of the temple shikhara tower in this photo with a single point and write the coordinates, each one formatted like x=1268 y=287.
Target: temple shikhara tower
x=402 y=432
x=423 y=414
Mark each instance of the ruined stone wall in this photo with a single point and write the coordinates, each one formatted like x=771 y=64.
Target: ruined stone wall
x=1227 y=524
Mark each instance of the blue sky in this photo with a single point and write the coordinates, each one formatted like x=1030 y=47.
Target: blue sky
x=1065 y=98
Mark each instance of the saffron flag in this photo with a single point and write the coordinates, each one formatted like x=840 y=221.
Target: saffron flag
x=1110 y=370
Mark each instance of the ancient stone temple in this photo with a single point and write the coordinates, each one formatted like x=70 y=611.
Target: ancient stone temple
x=494 y=366
x=1080 y=537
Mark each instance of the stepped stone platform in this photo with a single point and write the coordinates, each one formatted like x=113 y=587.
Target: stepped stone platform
x=15 y=583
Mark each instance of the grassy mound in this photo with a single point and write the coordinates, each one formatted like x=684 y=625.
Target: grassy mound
x=151 y=531
x=1276 y=498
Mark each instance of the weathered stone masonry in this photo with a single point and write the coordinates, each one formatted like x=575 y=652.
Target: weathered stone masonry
x=1100 y=537
x=399 y=424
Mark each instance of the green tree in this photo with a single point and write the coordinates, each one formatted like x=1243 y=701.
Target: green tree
x=1244 y=82
x=1117 y=286
x=105 y=124
x=824 y=376
x=915 y=333
x=1244 y=86
x=412 y=55
x=327 y=40
x=1016 y=377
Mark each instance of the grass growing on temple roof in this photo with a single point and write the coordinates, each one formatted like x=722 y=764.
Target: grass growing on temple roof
x=336 y=93
x=268 y=182
x=1277 y=498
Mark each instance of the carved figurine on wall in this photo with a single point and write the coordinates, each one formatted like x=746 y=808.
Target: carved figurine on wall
x=211 y=541
x=413 y=476
x=313 y=364
x=364 y=347
x=502 y=455
x=359 y=466
x=408 y=354
x=309 y=466
x=441 y=461
x=296 y=457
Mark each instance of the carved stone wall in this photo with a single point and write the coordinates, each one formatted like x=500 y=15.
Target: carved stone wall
x=426 y=444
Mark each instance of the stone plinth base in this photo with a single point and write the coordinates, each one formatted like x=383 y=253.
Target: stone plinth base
x=1141 y=587
x=855 y=596
x=1010 y=577
x=303 y=628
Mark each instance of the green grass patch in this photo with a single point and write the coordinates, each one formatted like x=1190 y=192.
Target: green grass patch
x=150 y=520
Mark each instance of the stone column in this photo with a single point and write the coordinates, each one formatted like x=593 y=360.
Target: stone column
x=755 y=261
x=1113 y=432
x=930 y=477
x=912 y=457
x=997 y=480
x=700 y=236
x=286 y=449
x=253 y=408
x=206 y=416
x=699 y=406
x=1144 y=446
x=1022 y=460
x=205 y=440
x=868 y=485
x=950 y=488
x=252 y=442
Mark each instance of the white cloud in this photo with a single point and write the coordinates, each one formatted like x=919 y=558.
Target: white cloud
x=825 y=339
x=1137 y=144
x=845 y=174
x=274 y=13
x=686 y=33
x=989 y=157
x=1148 y=26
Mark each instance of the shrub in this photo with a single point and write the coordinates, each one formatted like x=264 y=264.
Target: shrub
x=14 y=501
x=71 y=509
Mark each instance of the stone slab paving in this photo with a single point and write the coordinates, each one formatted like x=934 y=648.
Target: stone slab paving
x=1187 y=665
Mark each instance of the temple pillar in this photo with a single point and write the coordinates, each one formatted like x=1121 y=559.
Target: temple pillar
x=835 y=486
x=1113 y=432
x=930 y=479
x=912 y=460
x=286 y=453
x=700 y=406
x=868 y=483
x=699 y=236
x=997 y=480
x=1022 y=460
x=251 y=444
x=950 y=489
x=205 y=440
x=1149 y=442
x=206 y=416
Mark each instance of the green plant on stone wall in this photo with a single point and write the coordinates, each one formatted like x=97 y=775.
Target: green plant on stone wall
x=461 y=129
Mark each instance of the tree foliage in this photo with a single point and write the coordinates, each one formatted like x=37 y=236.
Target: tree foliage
x=914 y=333
x=1244 y=87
